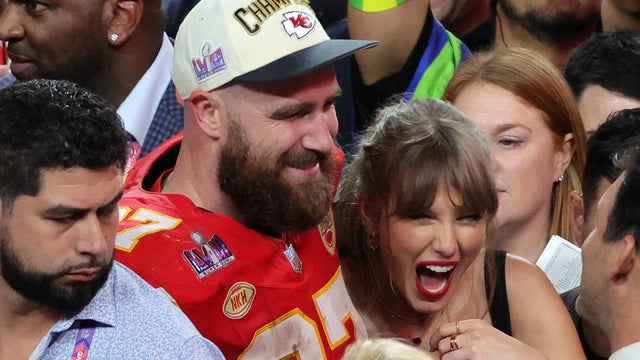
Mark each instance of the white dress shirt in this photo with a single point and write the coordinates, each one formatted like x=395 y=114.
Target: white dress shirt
x=138 y=109
x=629 y=352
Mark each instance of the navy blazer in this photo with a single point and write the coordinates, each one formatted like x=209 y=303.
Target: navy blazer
x=167 y=121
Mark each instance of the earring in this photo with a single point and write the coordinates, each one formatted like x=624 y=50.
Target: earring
x=373 y=242
x=560 y=178
x=114 y=37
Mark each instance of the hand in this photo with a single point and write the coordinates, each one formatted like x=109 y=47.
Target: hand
x=477 y=339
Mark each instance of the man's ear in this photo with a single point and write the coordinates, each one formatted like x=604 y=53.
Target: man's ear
x=625 y=259
x=209 y=112
x=125 y=17
x=577 y=217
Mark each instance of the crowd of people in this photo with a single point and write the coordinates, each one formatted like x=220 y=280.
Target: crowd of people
x=361 y=179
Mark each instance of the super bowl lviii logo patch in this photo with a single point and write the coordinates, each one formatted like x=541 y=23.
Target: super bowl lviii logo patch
x=209 y=256
x=210 y=62
x=298 y=23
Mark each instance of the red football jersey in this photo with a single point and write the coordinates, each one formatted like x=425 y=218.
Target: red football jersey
x=255 y=296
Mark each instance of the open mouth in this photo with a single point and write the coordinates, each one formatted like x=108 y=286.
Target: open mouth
x=433 y=280
x=306 y=173
x=305 y=166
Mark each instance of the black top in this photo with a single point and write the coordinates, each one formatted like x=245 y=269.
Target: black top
x=499 y=308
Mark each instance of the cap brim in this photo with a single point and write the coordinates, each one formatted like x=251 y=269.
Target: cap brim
x=306 y=60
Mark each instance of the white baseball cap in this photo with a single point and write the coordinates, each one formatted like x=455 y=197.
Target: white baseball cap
x=251 y=41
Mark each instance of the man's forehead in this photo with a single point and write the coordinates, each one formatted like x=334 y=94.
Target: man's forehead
x=72 y=182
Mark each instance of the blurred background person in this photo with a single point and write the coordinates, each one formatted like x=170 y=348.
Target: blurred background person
x=603 y=166
x=416 y=56
x=610 y=285
x=523 y=104
x=117 y=49
x=549 y=27
x=467 y=19
x=604 y=75
x=620 y=14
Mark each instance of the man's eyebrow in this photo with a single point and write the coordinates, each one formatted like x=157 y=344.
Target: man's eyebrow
x=114 y=201
x=63 y=210
x=293 y=109
x=333 y=98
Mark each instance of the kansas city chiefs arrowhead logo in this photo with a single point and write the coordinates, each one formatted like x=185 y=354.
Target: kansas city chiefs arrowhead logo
x=298 y=23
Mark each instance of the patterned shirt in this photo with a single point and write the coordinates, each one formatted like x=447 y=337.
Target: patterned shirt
x=129 y=319
x=7 y=80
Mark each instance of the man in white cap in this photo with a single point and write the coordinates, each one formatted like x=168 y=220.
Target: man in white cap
x=233 y=220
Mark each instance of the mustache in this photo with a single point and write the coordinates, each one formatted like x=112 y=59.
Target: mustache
x=91 y=262
x=305 y=159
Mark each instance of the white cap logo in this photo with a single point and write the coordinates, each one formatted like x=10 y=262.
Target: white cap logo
x=298 y=23
x=210 y=63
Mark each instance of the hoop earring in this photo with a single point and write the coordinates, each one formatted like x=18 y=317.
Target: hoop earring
x=373 y=242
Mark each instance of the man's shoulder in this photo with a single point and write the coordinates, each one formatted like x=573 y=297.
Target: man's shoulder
x=140 y=319
x=142 y=309
x=133 y=295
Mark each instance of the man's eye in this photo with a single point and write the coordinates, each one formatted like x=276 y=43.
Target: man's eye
x=64 y=220
x=34 y=6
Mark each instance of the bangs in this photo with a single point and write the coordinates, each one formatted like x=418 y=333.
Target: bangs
x=449 y=166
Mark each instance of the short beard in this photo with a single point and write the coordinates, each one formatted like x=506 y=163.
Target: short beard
x=549 y=28
x=68 y=299
x=267 y=201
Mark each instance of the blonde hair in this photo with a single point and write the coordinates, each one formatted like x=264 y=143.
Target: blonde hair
x=384 y=349
x=536 y=80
